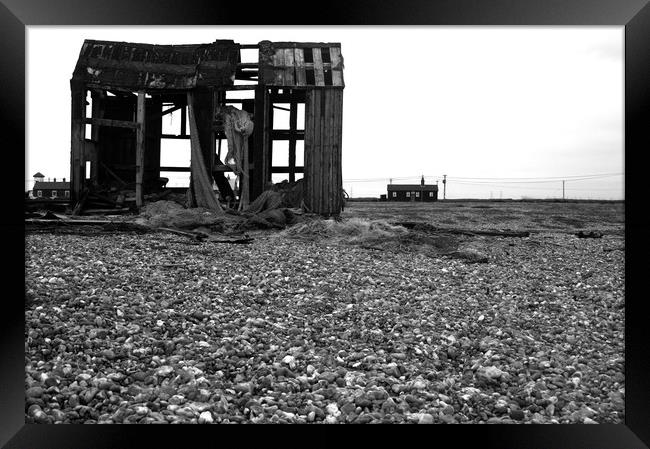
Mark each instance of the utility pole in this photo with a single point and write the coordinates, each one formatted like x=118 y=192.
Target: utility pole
x=563 y=189
x=444 y=187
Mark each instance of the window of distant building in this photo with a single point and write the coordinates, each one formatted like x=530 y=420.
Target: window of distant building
x=394 y=194
x=67 y=194
x=417 y=194
x=39 y=193
x=431 y=194
x=54 y=192
x=408 y=194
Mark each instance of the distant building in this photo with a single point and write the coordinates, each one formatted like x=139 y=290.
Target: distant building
x=50 y=189
x=412 y=192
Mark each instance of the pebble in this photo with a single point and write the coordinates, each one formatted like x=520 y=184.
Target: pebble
x=316 y=328
x=206 y=418
x=333 y=409
x=34 y=392
x=331 y=420
x=517 y=414
x=426 y=418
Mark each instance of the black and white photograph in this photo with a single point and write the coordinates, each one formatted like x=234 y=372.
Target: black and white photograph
x=324 y=225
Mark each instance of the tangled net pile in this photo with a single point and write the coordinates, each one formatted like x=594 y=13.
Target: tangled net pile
x=171 y=214
x=380 y=235
x=352 y=231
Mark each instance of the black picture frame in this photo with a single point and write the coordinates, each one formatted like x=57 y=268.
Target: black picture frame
x=634 y=15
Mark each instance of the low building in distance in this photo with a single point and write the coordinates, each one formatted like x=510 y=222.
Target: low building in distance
x=412 y=192
x=50 y=189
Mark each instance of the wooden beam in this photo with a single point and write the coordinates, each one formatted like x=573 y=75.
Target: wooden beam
x=241 y=87
x=175 y=169
x=299 y=59
x=174 y=136
x=77 y=137
x=184 y=121
x=318 y=67
x=139 y=149
x=293 y=123
x=337 y=66
x=170 y=110
x=284 y=169
x=277 y=45
x=286 y=134
x=108 y=122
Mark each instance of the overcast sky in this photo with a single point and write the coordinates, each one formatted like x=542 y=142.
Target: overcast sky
x=502 y=111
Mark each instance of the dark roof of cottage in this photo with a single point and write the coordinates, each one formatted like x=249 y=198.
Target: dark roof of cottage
x=301 y=64
x=413 y=187
x=38 y=175
x=136 y=66
x=51 y=185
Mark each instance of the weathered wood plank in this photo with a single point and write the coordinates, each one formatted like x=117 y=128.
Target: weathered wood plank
x=184 y=121
x=77 y=136
x=325 y=152
x=268 y=123
x=319 y=76
x=306 y=44
x=318 y=151
x=289 y=78
x=293 y=123
x=328 y=130
x=278 y=70
x=338 y=167
x=299 y=62
x=309 y=149
x=285 y=169
x=337 y=66
x=139 y=149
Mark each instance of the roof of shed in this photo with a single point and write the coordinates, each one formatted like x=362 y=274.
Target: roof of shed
x=135 y=66
x=415 y=187
x=51 y=185
x=301 y=64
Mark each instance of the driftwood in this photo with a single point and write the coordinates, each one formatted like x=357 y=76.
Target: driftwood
x=106 y=211
x=201 y=236
x=72 y=226
x=490 y=232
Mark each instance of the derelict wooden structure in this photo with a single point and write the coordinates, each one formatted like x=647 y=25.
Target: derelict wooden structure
x=133 y=86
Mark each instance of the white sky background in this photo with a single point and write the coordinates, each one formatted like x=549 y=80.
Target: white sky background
x=468 y=102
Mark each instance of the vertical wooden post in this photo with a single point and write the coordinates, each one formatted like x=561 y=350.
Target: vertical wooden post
x=259 y=141
x=77 y=135
x=139 y=149
x=293 y=124
x=184 y=121
x=97 y=112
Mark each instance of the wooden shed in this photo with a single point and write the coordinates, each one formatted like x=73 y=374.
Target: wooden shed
x=133 y=85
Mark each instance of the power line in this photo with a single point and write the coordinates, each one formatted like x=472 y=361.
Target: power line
x=536 y=177
x=478 y=181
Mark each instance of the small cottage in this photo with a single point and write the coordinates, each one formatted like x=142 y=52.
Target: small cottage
x=412 y=192
x=50 y=189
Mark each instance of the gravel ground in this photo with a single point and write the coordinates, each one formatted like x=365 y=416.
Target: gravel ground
x=154 y=328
